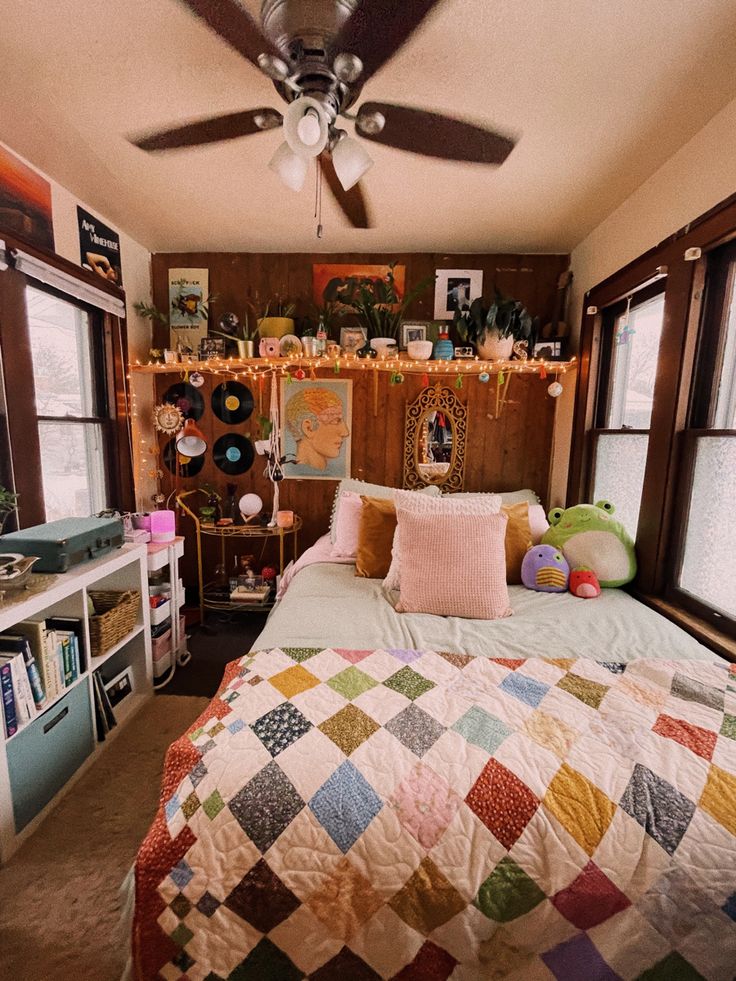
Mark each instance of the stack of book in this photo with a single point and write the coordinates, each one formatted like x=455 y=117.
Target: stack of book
x=39 y=659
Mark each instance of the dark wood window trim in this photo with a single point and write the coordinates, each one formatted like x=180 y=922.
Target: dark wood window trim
x=684 y=298
x=20 y=422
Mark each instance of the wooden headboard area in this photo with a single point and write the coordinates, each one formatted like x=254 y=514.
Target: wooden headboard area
x=504 y=453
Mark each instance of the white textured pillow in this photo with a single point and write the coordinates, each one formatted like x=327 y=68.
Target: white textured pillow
x=507 y=497
x=454 y=564
x=369 y=490
x=472 y=504
x=538 y=523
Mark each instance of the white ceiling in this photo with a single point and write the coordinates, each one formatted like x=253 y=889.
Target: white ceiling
x=600 y=92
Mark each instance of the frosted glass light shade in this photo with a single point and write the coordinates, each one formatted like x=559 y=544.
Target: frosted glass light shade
x=300 y=120
x=292 y=169
x=250 y=505
x=351 y=161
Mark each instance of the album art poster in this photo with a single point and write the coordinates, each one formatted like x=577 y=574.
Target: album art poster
x=25 y=202
x=188 y=293
x=316 y=423
x=332 y=281
x=99 y=247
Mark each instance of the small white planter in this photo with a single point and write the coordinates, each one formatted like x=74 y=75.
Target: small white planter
x=384 y=346
x=495 y=348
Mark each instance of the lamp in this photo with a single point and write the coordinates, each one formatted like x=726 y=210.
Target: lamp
x=250 y=506
x=351 y=161
x=190 y=440
x=306 y=127
x=291 y=168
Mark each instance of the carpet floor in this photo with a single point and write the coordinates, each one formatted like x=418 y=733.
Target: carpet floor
x=59 y=895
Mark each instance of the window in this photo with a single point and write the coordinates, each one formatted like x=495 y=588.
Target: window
x=704 y=553
x=68 y=361
x=629 y=349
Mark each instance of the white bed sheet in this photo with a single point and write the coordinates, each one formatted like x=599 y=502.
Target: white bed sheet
x=326 y=605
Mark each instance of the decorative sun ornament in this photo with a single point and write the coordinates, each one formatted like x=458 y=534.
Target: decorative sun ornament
x=168 y=418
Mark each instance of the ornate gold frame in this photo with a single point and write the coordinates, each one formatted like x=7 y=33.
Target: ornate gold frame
x=428 y=400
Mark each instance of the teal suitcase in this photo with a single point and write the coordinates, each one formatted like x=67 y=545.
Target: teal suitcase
x=62 y=544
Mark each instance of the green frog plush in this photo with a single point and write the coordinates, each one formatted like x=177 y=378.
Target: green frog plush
x=589 y=536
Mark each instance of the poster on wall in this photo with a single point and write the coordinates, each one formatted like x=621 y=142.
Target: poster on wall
x=332 y=282
x=188 y=294
x=455 y=289
x=316 y=423
x=25 y=202
x=99 y=247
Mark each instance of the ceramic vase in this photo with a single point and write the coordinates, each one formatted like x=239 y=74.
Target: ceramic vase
x=245 y=349
x=495 y=348
x=275 y=326
x=383 y=345
x=443 y=349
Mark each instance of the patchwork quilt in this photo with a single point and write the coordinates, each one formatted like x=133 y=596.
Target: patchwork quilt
x=423 y=816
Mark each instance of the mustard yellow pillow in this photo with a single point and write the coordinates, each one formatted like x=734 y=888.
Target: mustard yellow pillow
x=518 y=539
x=375 y=537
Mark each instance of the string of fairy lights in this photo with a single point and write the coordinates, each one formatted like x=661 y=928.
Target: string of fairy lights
x=296 y=369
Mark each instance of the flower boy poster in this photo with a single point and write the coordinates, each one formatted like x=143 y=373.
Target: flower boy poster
x=316 y=428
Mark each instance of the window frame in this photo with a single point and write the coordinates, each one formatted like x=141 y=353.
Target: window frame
x=660 y=514
x=22 y=471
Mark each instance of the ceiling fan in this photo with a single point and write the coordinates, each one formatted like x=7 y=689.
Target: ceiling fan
x=319 y=54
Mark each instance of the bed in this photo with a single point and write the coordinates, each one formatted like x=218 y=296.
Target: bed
x=375 y=795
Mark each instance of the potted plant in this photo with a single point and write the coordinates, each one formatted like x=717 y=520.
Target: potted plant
x=8 y=504
x=494 y=328
x=278 y=318
x=378 y=306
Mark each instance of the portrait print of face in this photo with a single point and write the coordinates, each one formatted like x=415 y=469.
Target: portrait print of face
x=316 y=428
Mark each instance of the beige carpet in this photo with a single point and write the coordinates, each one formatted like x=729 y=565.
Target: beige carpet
x=59 y=903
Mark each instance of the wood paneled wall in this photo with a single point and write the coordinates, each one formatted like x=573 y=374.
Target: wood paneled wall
x=502 y=454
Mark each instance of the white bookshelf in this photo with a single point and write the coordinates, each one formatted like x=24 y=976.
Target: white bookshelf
x=66 y=596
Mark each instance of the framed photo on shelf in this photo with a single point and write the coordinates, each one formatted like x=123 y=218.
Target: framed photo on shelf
x=352 y=339
x=549 y=350
x=454 y=289
x=412 y=332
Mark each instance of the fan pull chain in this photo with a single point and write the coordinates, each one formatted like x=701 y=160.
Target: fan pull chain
x=318 y=198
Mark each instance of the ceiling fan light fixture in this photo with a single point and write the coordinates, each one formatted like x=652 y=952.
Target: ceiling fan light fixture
x=351 y=161
x=273 y=66
x=290 y=167
x=306 y=128
x=267 y=120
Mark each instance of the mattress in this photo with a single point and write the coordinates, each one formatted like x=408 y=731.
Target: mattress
x=327 y=605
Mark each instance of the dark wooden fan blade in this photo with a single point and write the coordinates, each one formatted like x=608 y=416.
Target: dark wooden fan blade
x=235 y=25
x=212 y=130
x=352 y=202
x=434 y=135
x=377 y=30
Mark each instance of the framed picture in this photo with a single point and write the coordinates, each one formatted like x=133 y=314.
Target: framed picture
x=352 y=339
x=99 y=247
x=413 y=332
x=188 y=293
x=330 y=281
x=317 y=422
x=455 y=288
x=548 y=350
x=25 y=201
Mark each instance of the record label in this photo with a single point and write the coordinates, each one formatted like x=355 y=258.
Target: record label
x=233 y=453
x=232 y=402
x=187 y=399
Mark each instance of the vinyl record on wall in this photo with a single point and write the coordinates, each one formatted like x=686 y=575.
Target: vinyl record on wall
x=186 y=398
x=233 y=453
x=232 y=402
x=189 y=468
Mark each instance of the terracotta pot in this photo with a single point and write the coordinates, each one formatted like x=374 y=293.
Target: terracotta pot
x=495 y=348
x=275 y=326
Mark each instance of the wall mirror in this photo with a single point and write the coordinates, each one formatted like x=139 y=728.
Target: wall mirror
x=434 y=440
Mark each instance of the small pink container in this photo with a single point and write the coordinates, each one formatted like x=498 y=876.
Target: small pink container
x=285 y=519
x=163 y=526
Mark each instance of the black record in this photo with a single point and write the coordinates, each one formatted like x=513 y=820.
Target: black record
x=232 y=402
x=186 y=398
x=173 y=463
x=233 y=453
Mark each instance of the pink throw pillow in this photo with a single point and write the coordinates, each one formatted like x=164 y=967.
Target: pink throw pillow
x=447 y=504
x=453 y=565
x=347 y=526
x=538 y=523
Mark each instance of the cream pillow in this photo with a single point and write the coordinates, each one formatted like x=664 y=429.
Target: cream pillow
x=347 y=526
x=351 y=484
x=453 y=565
x=447 y=504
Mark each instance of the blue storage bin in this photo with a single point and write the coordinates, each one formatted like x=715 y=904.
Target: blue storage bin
x=48 y=752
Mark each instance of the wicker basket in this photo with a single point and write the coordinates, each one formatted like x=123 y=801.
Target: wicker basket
x=115 y=617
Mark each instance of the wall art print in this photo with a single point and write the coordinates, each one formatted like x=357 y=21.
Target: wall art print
x=331 y=281
x=188 y=293
x=25 y=202
x=454 y=289
x=99 y=247
x=316 y=428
